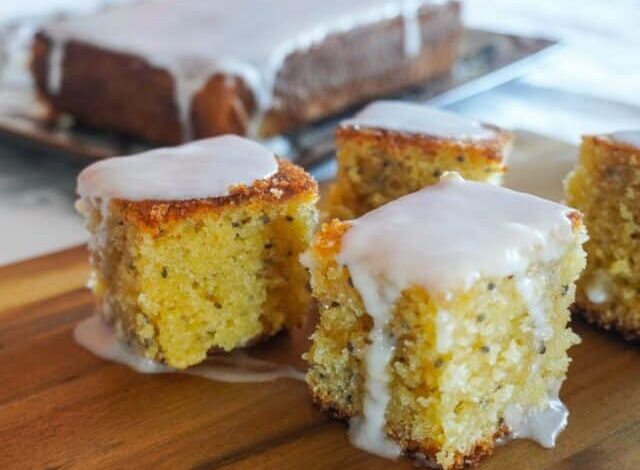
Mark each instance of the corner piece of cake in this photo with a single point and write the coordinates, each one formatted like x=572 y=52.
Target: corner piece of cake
x=195 y=248
x=394 y=148
x=605 y=186
x=443 y=320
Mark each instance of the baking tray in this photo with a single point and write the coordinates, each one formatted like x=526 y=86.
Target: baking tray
x=486 y=60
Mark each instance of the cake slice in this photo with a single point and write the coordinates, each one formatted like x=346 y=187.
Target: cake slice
x=605 y=186
x=168 y=71
x=443 y=320
x=393 y=148
x=196 y=247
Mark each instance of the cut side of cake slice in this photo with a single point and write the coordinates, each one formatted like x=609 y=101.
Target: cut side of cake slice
x=443 y=320
x=605 y=186
x=195 y=248
x=394 y=148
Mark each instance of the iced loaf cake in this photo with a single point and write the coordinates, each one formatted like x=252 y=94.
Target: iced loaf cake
x=167 y=71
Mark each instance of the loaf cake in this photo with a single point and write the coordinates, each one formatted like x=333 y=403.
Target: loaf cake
x=443 y=320
x=195 y=248
x=393 y=148
x=166 y=71
x=605 y=186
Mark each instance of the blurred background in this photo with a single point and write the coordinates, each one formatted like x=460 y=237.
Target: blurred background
x=586 y=79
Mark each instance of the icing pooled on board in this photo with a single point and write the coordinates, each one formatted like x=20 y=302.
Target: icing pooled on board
x=99 y=338
x=415 y=118
x=629 y=137
x=445 y=238
x=201 y=169
x=543 y=425
x=195 y=39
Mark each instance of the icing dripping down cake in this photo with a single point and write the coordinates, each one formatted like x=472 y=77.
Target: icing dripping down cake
x=167 y=71
x=605 y=186
x=195 y=248
x=443 y=320
x=394 y=148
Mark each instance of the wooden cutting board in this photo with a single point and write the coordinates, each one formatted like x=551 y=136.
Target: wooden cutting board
x=61 y=407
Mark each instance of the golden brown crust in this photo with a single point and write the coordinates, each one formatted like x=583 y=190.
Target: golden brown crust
x=481 y=450
x=491 y=149
x=592 y=316
x=428 y=448
x=576 y=220
x=289 y=182
x=619 y=151
x=328 y=240
x=116 y=91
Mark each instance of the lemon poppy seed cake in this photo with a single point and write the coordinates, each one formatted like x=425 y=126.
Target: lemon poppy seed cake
x=605 y=186
x=196 y=247
x=394 y=148
x=444 y=320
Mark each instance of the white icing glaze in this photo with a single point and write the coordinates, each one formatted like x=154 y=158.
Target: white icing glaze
x=99 y=338
x=532 y=290
x=445 y=238
x=419 y=119
x=54 y=77
x=542 y=425
x=412 y=32
x=18 y=28
x=445 y=328
x=467 y=231
x=598 y=287
x=194 y=39
x=630 y=137
x=368 y=431
x=201 y=169
x=99 y=236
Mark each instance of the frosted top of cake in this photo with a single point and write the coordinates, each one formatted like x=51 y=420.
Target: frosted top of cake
x=448 y=236
x=193 y=39
x=201 y=169
x=630 y=137
x=419 y=119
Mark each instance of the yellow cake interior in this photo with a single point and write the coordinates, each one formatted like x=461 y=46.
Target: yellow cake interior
x=605 y=186
x=446 y=402
x=375 y=167
x=218 y=278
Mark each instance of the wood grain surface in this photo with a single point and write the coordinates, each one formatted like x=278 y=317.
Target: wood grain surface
x=61 y=407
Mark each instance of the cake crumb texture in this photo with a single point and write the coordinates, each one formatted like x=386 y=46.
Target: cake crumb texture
x=376 y=166
x=457 y=365
x=181 y=278
x=605 y=186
